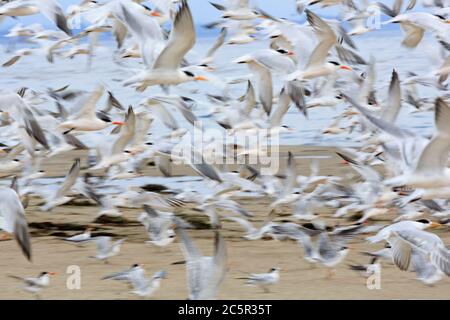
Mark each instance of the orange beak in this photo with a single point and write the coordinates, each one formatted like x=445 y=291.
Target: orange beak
x=435 y=225
x=118 y=123
x=290 y=53
x=155 y=14
x=200 y=78
x=52 y=273
x=345 y=68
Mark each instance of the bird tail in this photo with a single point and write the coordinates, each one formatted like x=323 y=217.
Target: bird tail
x=15 y=277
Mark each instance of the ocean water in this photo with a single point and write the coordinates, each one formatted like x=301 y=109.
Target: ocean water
x=36 y=73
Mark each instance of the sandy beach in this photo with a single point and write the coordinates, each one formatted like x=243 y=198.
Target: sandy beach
x=298 y=280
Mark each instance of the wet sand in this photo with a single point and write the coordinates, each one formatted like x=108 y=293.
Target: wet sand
x=298 y=280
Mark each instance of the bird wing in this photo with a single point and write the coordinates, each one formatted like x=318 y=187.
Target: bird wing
x=127 y=132
x=385 y=126
x=401 y=251
x=219 y=268
x=190 y=250
x=275 y=61
x=103 y=244
x=413 y=34
x=88 y=105
x=421 y=265
x=430 y=244
x=365 y=171
x=14 y=219
x=181 y=40
x=150 y=211
x=305 y=241
x=33 y=128
x=325 y=247
x=291 y=175
x=248 y=226
x=165 y=116
x=249 y=99
x=219 y=42
x=327 y=36
x=52 y=10
x=433 y=158
x=284 y=101
x=70 y=179
x=198 y=163
x=392 y=108
x=147 y=31
x=265 y=87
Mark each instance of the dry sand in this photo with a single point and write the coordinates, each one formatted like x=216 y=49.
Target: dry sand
x=298 y=280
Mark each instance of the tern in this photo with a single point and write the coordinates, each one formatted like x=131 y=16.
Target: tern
x=264 y=280
x=205 y=274
x=106 y=249
x=165 y=70
x=37 y=284
x=49 y=8
x=87 y=119
x=135 y=276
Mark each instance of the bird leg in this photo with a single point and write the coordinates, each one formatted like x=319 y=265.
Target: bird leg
x=330 y=273
x=312 y=266
x=5 y=236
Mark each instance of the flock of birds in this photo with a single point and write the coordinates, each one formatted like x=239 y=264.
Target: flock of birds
x=318 y=65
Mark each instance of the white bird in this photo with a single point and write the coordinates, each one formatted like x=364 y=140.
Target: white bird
x=252 y=233
x=135 y=276
x=430 y=169
x=147 y=32
x=35 y=285
x=166 y=69
x=327 y=252
x=261 y=63
x=386 y=232
x=433 y=249
x=12 y=219
x=80 y=238
x=158 y=226
x=204 y=274
x=317 y=65
x=50 y=8
x=86 y=119
x=264 y=280
x=414 y=25
x=117 y=152
x=106 y=249
x=59 y=196
x=237 y=10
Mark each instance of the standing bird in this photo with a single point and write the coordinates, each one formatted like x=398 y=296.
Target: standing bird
x=80 y=238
